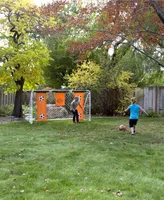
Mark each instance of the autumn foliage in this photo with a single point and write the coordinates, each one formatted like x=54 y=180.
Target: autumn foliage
x=132 y=20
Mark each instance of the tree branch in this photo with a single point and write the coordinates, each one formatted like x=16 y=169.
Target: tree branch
x=158 y=9
x=159 y=63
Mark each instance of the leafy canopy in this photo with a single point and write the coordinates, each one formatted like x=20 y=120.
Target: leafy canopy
x=85 y=76
x=22 y=57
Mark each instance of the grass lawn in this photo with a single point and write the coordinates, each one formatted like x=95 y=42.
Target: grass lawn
x=58 y=160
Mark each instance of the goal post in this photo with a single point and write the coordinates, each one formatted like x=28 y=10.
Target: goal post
x=55 y=104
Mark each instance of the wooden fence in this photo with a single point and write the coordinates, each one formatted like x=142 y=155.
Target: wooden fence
x=151 y=98
x=6 y=99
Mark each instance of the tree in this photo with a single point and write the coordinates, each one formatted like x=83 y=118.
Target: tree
x=62 y=63
x=22 y=57
x=139 y=22
x=58 y=39
x=86 y=76
x=145 y=72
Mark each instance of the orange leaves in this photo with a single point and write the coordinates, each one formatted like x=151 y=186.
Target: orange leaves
x=91 y=26
x=135 y=19
x=52 y=9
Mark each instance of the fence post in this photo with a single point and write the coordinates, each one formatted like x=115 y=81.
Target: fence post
x=156 y=100
x=145 y=98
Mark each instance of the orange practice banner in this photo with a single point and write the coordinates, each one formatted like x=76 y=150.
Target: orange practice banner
x=41 y=106
x=80 y=111
x=60 y=98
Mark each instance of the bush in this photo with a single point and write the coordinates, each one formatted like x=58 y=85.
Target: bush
x=151 y=113
x=25 y=109
x=6 y=110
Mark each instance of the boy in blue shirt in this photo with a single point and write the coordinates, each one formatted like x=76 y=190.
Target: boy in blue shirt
x=134 y=114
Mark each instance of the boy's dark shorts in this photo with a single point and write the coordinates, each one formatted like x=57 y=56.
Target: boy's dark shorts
x=132 y=122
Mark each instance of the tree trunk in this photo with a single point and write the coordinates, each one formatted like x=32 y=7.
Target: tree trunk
x=17 y=111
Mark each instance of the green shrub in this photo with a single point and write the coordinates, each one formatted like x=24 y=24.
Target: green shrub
x=25 y=109
x=6 y=110
x=151 y=113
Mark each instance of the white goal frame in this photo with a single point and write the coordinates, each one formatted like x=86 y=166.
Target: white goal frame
x=54 y=112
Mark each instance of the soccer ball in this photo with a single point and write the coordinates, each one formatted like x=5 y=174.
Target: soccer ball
x=122 y=128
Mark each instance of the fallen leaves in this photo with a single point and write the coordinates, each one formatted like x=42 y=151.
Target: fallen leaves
x=119 y=194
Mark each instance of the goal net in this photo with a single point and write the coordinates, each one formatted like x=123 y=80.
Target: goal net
x=55 y=104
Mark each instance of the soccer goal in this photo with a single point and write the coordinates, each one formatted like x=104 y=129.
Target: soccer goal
x=55 y=104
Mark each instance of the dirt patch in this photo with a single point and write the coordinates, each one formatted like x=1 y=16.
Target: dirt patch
x=9 y=119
